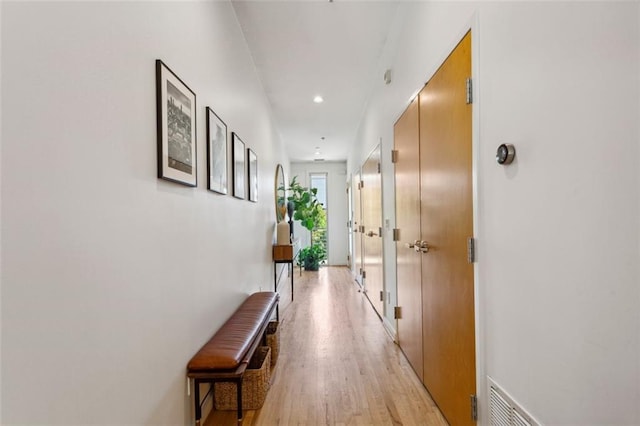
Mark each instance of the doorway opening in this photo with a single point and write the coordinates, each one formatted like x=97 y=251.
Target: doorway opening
x=319 y=235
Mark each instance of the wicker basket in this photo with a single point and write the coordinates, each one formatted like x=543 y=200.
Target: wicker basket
x=255 y=384
x=273 y=340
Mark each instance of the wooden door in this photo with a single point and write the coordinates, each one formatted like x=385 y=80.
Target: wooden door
x=372 y=221
x=406 y=137
x=446 y=223
x=357 y=227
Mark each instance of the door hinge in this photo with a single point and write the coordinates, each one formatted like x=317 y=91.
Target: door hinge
x=394 y=155
x=471 y=250
x=364 y=274
x=397 y=312
x=396 y=234
x=361 y=185
x=380 y=232
x=379 y=168
x=381 y=296
x=362 y=229
x=469 y=91
x=360 y=271
x=474 y=408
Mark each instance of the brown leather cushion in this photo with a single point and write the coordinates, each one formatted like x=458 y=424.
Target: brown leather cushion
x=229 y=345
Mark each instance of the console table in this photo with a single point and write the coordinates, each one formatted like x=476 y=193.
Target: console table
x=284 y=254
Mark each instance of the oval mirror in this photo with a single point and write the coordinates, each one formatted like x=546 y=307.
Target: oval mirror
x=280 y=194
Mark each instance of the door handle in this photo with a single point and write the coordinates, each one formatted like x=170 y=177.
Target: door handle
x=412 y=245
x=421 y=246
x=371 y=234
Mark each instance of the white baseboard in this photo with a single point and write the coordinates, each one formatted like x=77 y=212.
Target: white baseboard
x=390 y=328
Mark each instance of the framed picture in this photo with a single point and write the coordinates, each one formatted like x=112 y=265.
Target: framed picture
x=253 y=175
x=238 y=167
x=216 y=153
x=176 y=109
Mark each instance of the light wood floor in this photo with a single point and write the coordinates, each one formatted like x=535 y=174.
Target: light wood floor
x=337 y=365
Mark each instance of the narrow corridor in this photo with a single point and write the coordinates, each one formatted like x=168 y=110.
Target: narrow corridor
x=337 y=365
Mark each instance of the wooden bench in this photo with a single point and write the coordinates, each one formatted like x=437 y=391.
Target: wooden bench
x=224 y=358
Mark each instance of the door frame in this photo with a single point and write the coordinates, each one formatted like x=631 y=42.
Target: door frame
x=481 y=375
x=357 y=276
x=480 y=327
x=383 y=311
x=349 y=185
x=418 y=369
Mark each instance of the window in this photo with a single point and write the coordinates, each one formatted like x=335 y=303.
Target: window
x=319 y=236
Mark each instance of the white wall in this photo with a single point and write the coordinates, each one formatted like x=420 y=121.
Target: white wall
x=111 y=278
x=373 y=131
x=337 y=237
x=558 y=230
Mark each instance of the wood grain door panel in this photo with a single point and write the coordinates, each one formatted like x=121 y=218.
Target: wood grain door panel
x=446 y=223
x=406 y=137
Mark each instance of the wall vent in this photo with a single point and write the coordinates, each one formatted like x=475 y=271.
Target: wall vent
x=504 y=411
x=500 y=409
x=519 y=420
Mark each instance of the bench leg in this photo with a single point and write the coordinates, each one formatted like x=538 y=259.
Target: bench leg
x=196 y=396
x=239 y=399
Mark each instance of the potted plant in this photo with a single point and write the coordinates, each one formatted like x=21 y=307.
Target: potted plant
x=311 y=215
x=305 y=205
x=310 y=257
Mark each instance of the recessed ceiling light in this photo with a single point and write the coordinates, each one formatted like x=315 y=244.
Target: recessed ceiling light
x=318 y=99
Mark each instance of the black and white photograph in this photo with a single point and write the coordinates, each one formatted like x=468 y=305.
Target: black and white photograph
x=253 y=175
x=238 y=167
x=216 y=153
x=176 y=109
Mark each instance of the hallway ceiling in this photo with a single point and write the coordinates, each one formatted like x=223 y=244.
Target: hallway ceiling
x=306 y=48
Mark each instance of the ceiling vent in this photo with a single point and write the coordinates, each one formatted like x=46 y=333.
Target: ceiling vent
x=504 y=411
x=318 y=159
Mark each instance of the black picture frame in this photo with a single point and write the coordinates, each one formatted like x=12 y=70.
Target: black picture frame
x=176 y=128
x=239 y=169
x=217 y=159
x=252 y=175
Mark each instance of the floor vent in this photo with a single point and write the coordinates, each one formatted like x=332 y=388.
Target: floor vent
x=504 y=411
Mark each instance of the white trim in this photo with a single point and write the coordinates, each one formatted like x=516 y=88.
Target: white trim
x=481 y=386
x=354 y=266
x=385 y=284
x=358 y=279
x=390 y=329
